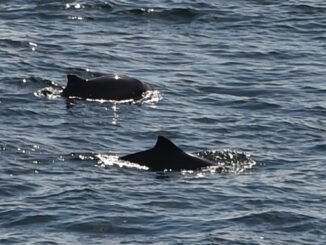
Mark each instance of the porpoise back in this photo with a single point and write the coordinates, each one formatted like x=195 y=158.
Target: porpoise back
x=109 y=87
x=165 y=155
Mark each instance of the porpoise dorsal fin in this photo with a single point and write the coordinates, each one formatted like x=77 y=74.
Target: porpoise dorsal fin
x=73 y=79
x=166 y=144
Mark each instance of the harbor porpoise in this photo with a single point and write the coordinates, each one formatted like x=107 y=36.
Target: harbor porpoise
x=165 y=155
x=108 y=87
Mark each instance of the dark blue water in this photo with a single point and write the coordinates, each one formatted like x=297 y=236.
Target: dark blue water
x=240 y=82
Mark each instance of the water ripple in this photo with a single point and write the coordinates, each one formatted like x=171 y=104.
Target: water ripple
x=247 y=76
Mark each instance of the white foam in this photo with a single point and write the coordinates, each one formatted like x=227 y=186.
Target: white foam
x=113 y=160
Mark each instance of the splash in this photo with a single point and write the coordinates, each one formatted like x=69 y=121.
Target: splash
x=32 y=46
x=50 y=92
x=112 y=160
x=228 y=161
x=149 y=97
x=73 y=5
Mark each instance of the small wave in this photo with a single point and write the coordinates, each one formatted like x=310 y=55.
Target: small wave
x=255 y=104
x=73 y=6
x=103 y=10
x=15 y=187
x=56 y=10
x=166 y=14
x=102 y=225
x=30 y=220
x=308 y=9
x=12 y=43
x=273 y=217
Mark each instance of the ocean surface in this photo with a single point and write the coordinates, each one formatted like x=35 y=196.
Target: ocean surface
x=242 y=83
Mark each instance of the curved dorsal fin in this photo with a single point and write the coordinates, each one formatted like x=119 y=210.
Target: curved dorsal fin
x=73 y=79
x=166 y=144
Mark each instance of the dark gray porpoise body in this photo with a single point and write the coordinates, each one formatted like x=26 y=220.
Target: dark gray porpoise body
x=105 y=87
x=166 y=155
